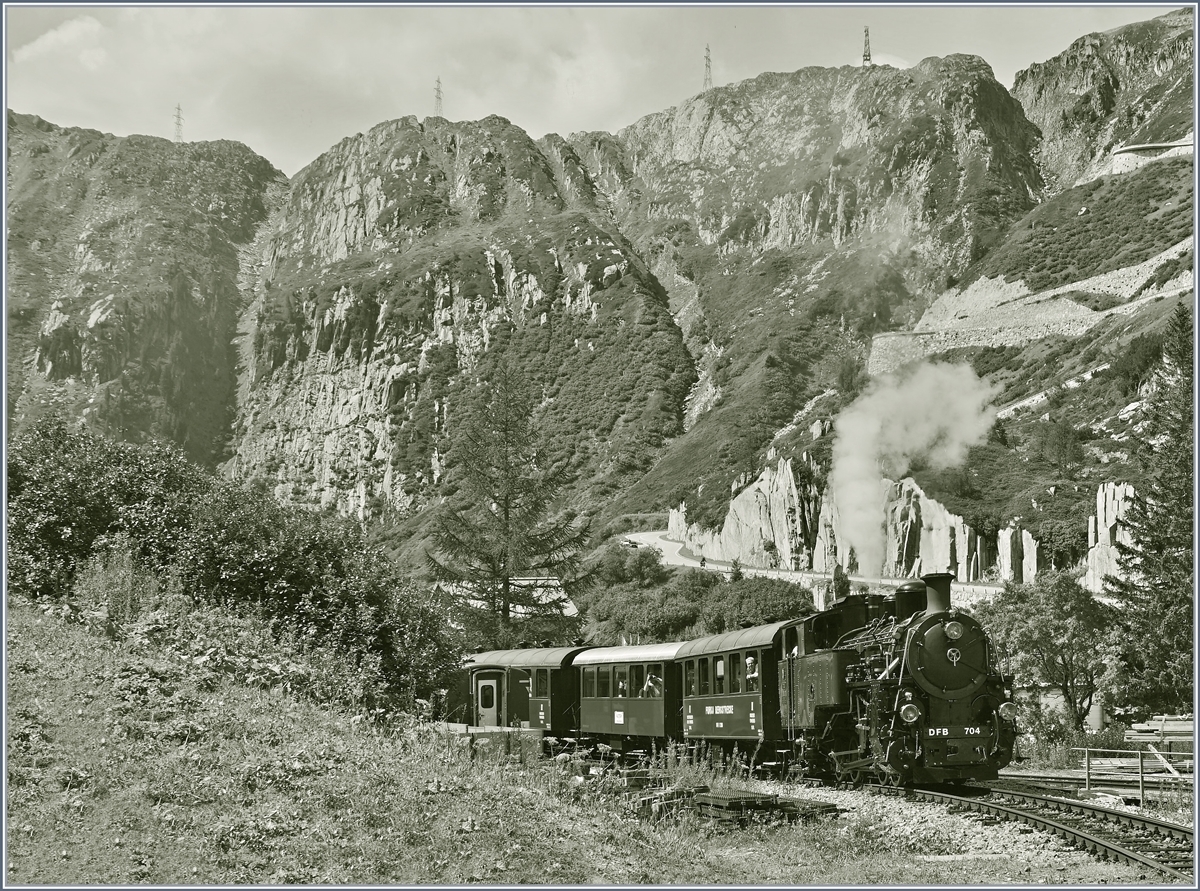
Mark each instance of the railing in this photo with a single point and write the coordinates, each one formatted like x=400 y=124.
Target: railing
x=1110 y=764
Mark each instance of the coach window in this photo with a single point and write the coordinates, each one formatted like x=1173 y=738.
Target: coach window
x=704 y=676
x=589 y=682
x=604 y=682
x=752 y=671
x=637 y=680
x=718 y=674
x=541 y=681
x=621 y=687
x=689 y=677
x=654 y=680
x=735 y=672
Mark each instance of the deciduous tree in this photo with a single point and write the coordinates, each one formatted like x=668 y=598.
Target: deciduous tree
x=1057 y=633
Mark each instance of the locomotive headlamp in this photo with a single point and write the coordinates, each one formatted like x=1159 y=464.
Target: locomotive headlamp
x=910 y=712
x=1007 y=711
x=954 y=630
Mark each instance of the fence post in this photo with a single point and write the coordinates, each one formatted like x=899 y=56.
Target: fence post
x=1087 y=768
x=1141 y=778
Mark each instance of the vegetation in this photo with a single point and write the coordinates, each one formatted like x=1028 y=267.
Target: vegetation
x=638 y=600
x=499 y=548
x=1157 y=586
x=1058 y=634
x=75 y=498
x=1102 y=225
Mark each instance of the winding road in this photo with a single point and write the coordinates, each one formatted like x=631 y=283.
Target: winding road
x=675 y=554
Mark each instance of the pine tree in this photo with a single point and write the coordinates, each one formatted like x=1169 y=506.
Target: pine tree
x=499 y=548
x=1156 y=582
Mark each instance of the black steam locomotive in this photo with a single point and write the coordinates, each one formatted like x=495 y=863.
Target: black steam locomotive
x=899 y=689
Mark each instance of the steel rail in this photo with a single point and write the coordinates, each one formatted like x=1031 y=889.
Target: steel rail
x=1079 y=837
x=1124 y=818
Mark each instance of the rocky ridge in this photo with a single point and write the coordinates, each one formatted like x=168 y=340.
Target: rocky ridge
x=1130 y=85
x=403 y=255
x=123 y=260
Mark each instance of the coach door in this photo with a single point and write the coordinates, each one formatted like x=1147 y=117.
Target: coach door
x=487 y=700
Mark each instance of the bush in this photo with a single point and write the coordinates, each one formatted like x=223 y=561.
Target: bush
x=105 y=523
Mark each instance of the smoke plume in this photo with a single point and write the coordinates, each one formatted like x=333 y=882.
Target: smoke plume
x=932 y=412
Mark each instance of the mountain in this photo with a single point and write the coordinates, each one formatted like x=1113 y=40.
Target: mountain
x=689 y=297
x=123 y=291
x=402 y=263
x=1129 y=86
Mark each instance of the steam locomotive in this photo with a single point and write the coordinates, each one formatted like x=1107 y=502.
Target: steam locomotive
x=899 y=689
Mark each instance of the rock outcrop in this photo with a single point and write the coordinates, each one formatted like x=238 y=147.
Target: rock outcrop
x=765 y=528
x=1105 y=530
x=1130 y=85
x=401 y=260
x=123 y=265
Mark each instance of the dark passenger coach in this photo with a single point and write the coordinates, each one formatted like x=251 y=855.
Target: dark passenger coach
x=534 y=688
x=731 y=686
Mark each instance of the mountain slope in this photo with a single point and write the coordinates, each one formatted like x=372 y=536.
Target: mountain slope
x=123 y=260
x=1131 y=85
x=403 y=262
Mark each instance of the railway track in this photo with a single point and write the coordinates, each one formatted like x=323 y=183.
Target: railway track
x=1167 y=848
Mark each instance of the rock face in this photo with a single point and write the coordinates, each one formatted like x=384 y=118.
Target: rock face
x=123 y=263
x=404 y=258
x=766 y=528
x=826 y=154
x=1131 y=85
x=769 y=525
x=1105 y=530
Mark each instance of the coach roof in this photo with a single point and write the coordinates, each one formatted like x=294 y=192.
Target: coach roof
x=539 y=657
x=663 y=652
x=758 y=636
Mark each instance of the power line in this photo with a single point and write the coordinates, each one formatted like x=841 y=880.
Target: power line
x=178 y=123
x=707 y=69
x=437 y=98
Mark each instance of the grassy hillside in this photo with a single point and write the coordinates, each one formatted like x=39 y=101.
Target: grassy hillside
x=1106 y=224
x=128 y=765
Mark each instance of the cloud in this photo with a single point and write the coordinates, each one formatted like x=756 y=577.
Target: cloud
x=67 y=36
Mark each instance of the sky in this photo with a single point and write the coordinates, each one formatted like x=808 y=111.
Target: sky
x=291 y=81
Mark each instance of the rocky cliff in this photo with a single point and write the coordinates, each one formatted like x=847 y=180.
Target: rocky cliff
x=401 y=260
x=775 y=523
x=1105 y=530
x=123 y=258
x=795 y=213
x=1131 y=85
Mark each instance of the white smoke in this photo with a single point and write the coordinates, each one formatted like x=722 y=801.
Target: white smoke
x=933 y=412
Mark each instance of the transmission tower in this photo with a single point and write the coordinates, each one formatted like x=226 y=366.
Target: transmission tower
x=437 y=98
x=178 y=124
x=707 y=69
x=867 y=63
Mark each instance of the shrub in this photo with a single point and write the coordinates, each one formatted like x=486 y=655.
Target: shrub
x=105 y=523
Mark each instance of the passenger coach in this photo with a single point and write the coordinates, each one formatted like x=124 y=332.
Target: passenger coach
x=731 y=684
x=534 y=688
x=628 y=694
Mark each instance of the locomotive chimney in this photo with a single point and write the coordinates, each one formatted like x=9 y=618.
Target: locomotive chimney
x=938 y=585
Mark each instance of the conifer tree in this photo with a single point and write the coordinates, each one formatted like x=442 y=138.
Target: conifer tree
x=497 y=545
x=1156 y=581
